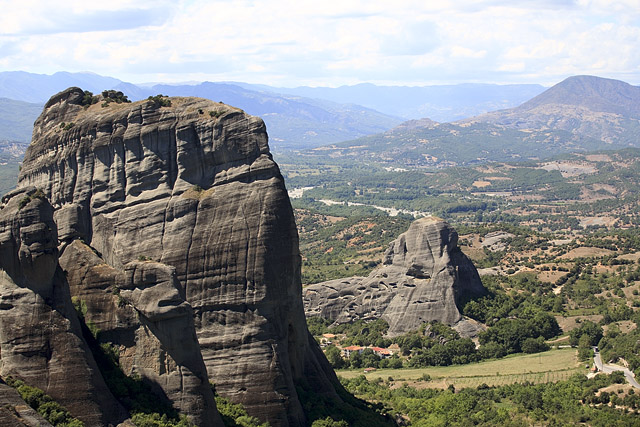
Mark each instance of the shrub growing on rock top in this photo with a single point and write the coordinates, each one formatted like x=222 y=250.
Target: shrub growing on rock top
x=114 y=96
x=159 y=101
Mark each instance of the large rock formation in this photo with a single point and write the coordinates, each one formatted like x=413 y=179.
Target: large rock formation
x=181 y=202
x=139 y=311
x=424 y=277
x=40 y=337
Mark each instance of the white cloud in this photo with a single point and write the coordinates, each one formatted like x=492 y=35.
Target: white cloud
x=464 y=52
x=331 y=42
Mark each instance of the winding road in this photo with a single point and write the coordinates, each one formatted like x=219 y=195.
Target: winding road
x=607 y=369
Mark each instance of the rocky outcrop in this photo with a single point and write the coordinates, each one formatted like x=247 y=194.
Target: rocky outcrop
x=424 y=277
x=185 y=196
x=40 y=337
x=140 y=312
x=14 y=412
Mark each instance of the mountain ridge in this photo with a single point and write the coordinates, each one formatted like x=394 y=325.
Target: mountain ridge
x=293 y=122
x=578 y=114
x=16 y=119
x=595 y=107
x=596 y=93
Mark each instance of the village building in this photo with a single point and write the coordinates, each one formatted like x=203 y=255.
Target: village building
x=382 y=353
x=346 y=351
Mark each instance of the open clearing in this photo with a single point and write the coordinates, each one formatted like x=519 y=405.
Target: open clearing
x=550 y=366
x=585 y=252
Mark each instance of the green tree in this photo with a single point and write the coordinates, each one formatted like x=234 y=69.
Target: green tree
x=369 y=358
x=534 y=345
x=329 y=422
x=585 y=351
x=334 y=357
x=355 y=360
x=588 y=328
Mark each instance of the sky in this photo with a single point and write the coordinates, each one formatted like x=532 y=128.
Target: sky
x=325 y=43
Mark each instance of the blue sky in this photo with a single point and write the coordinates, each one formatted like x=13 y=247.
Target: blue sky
x=327 y=43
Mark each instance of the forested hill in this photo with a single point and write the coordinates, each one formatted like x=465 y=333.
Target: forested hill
x=16 y=119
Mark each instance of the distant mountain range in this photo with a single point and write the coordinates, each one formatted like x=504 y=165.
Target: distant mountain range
x=578 y=114
x=292 y=121
x=296 y=118
x=16 y=119
x=442 y=103
x=38 y=88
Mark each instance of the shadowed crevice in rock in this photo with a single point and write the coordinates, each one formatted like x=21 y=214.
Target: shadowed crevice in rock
x=424 y=277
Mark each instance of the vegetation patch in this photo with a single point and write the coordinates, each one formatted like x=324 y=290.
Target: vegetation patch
x=234 y=414
x=159 y=101
x=567 y=402
x=50 y=410
x=89 y=99
x=109 y=96
x=38 y=194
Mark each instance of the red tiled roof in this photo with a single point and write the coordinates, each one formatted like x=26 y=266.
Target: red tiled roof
x=353 y=348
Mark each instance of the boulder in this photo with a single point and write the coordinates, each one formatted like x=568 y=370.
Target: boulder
x=14 y=412
x=140 y=312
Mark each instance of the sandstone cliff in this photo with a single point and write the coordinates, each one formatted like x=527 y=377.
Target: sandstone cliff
x=423 y=277
x=139 y=311
x=182 y=211
x=40 y=338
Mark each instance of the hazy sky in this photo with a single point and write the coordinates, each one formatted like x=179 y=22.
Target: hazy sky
x=325 y=43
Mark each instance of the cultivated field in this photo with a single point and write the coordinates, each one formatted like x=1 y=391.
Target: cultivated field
x=550 y=366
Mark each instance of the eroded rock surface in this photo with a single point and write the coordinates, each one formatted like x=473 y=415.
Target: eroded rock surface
x=40 y=338
x=191 y=188
x=14 y=412
x=423 y=277
x=139 y=311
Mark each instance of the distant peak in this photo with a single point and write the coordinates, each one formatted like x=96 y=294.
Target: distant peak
x=591 y=92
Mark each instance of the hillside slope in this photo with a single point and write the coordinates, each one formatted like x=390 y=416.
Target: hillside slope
x=604 y=109
x=16 y=119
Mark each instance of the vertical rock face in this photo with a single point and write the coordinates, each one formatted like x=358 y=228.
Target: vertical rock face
x=139 y=311
x=423 y=277
x=187 y=196
x=40 y=338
